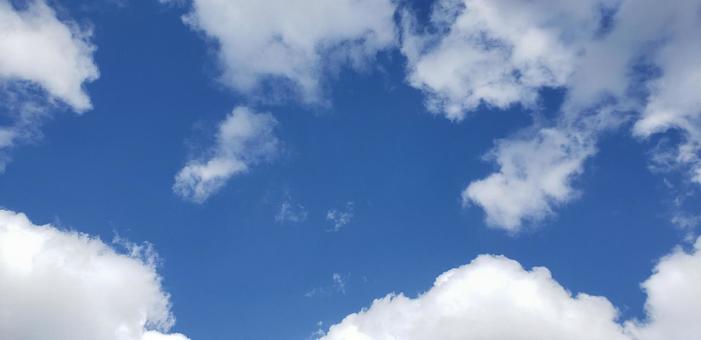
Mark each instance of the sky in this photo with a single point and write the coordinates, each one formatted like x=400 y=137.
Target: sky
x=350 y=169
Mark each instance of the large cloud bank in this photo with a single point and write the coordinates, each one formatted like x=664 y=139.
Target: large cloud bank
x=495 y=298
x=64 y=285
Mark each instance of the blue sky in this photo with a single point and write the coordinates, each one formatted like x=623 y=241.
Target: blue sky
x=364 y=146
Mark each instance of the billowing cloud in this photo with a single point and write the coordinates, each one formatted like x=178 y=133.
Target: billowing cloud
x=477 y=300
x=612 y=58
x=243 y=139
x=293 y=41
x=673 y=304
x=43 y=60
x=65 y=285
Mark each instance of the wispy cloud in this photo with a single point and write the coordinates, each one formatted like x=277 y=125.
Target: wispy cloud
x=337 y=286
x=340 y=217
x=291 y=212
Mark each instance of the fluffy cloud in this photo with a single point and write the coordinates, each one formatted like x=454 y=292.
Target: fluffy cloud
x=475 y=301
x=674 y=298
x=612 y=58
x=293 y=41
x=38 y=48
x=497 y=53
x=535 y=175
x=43 y=60
x=243 y=139
x=65 y=285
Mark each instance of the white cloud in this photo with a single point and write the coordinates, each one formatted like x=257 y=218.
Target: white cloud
x=66 y=285
x=497 y=53
x=244 y=138
x=295 y=41
x=674 y=298
x=477 y=300
x=43 y=61
x=535 y=175
x=339 y=218
x=673 y=101
x=37 y=47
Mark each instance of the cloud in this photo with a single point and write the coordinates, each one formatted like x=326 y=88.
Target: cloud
x=340 y=218
x=274 y=41
x=501 y=54
x=339 y=282
x=673 y=101
x=66 y=285
x=43 y=61
x=338 y=285
x=291 y=212
x=673 y=304
x=243 y=139
x=476 y=300
x=38 y=48
x=535 y=175
x=619 y=60
x=496 y=53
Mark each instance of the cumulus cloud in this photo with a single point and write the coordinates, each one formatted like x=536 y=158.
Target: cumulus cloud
x=65 y=285
x=476 y=300
x=497 y=53
x=612 y=58
x=535 y=175
x=43 y=61
x=38 y=48
x=673 y=298
x=296 y=41
x=243 y=139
